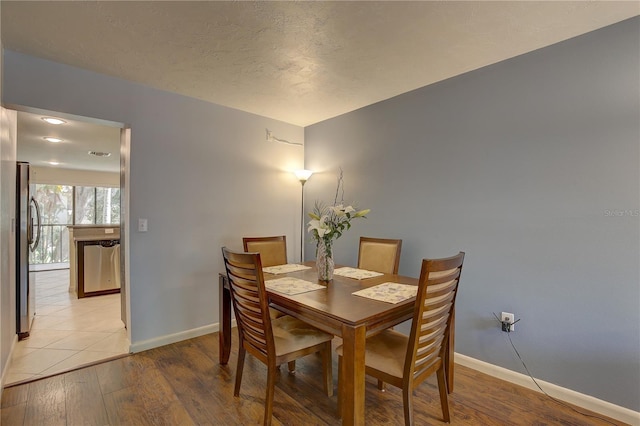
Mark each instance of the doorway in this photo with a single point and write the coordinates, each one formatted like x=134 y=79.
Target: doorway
x=81 y=166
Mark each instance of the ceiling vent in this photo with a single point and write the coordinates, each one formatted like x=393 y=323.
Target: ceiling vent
x=100 y=153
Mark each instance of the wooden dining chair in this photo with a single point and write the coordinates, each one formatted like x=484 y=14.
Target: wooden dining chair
x=273 y=250
x=272 y=341
x=379 y=254
x=405 y=361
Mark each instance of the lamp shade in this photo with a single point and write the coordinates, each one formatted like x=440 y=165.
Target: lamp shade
x=303 y=175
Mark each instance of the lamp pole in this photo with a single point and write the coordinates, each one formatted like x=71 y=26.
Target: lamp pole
x=303 y=176
x=302 y=223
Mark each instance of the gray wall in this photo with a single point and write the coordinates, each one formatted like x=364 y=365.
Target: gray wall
x=203 y=175
x=531 y=167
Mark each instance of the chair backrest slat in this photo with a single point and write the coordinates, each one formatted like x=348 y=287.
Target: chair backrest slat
x=435 y=302
x=249 y=298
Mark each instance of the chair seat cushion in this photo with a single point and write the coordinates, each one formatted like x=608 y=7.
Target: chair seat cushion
x=386 y=352
x=291 y=334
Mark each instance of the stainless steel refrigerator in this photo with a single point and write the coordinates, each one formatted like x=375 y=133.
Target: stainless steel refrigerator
x=27 y=239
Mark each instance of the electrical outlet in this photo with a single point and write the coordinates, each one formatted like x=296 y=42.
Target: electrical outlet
x=508 y=320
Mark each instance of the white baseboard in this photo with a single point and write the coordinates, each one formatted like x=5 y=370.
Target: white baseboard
x=581 y=400
x=6 y=368
x=176 y=337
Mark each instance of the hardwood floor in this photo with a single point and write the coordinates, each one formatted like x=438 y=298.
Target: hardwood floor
x=183 y=384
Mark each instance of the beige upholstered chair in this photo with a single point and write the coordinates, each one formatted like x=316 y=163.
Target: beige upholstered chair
x=379 y=254
x=272 y=341
x=273 y=250
x=405 y=361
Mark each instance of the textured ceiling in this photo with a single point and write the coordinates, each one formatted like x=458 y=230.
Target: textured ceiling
x=300 y=62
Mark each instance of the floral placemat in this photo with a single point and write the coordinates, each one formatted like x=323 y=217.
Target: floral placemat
x=389 y=292
x=291 y=285
x=285 y=269
x=358 y=274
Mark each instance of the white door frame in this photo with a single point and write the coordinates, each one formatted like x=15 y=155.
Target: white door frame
x=125 y=150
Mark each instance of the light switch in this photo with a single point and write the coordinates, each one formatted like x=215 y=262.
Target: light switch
x=142 y=225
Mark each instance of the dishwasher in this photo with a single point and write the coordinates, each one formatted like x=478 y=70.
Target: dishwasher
x=101 y=267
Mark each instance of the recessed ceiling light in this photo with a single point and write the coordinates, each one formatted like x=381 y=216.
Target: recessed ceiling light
x=99 y=153
x=53 y=163
x=52 y=139
x=53 y=120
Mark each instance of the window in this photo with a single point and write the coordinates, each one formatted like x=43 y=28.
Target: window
x=85 y=203
x=63 y=205
x=96 y=205
x=56 y=209
x=107 y=205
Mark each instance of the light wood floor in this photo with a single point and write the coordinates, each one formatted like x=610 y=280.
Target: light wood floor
x=183 y=384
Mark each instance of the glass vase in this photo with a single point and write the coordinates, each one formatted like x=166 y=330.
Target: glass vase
x=324 y=261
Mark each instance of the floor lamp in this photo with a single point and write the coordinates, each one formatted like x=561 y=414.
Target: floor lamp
x=303 y=176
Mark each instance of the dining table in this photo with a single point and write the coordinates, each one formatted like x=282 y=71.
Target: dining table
x=336 y=310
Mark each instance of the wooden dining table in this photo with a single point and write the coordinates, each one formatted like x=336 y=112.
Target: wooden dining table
x=337 y=311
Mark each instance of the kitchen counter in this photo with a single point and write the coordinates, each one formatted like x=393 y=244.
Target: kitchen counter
x=97 y=238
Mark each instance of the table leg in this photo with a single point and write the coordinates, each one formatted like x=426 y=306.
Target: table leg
x=224 y=321
x=448 y=358
x=352 y=381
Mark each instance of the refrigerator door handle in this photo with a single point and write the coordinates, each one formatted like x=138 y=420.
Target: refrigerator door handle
x=33 y=246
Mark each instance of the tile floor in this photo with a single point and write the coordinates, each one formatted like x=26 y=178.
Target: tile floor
x=67 y=332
